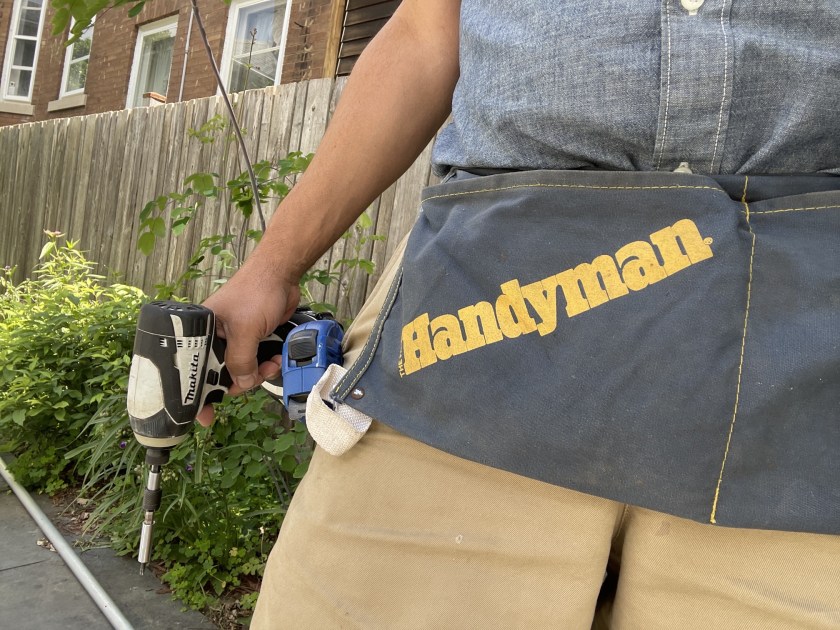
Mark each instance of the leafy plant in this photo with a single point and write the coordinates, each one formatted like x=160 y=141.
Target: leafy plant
x=219 y=255
x=359 y=236
x=83 y=12
x=274 y=180
x=65 y=347
x=225 y=491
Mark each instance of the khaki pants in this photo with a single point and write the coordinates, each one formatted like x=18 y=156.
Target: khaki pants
x=395 y=534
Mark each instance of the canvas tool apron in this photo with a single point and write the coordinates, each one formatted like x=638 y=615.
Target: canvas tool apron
x=665 y=340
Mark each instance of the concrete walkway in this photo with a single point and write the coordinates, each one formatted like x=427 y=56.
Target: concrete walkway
x=38 y=592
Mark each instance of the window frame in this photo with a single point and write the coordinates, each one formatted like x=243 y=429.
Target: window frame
x=68 y=61
x=152 y=28
x=13 y=37
x=226 y=68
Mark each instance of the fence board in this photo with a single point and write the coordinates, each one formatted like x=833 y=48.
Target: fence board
x=8 y=157
x=90 y=177
x=36 y=200
x=24 y=186
x=109 y=252
x=182 y=247
x=122 y=254
x=56 y=162
x=214 y=217
x=63 y=173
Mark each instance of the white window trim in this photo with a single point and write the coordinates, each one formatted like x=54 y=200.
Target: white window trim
x=230 y=34
x=166 y=24
x=7 y=65
x=62 y=92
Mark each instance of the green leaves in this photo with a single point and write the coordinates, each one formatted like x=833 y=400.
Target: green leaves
x=146 y=243
x=213 y=256
x=64 y=337
x=83 y=12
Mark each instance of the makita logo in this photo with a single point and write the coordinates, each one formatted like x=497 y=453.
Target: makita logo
x=192 y=379
x=608 y=277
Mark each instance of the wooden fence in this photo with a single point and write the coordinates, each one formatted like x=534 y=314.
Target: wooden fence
x=90 y=176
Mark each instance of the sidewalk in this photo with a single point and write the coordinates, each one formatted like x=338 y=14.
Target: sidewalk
x=38 y=592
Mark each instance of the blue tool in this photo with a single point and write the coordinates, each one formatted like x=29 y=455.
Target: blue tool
x=309 y=350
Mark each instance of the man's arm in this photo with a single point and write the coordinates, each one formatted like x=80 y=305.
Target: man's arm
x=398 y=96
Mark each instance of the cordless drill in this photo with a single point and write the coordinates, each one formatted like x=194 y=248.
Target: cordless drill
x=178 y=367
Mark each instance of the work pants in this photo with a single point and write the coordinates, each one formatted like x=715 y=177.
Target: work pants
x=395 y=534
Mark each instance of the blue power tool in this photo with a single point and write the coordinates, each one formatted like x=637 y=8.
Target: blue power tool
x=309 y=350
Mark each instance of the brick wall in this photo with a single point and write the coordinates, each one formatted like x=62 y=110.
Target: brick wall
x=112 y=52
x=309 y=29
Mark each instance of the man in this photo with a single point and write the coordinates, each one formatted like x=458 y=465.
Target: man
x=666 y=405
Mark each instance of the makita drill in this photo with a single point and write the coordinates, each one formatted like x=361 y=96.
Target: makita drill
x=178 y=367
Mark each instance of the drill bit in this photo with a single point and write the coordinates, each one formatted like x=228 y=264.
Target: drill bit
x=151 y=502
x=145 y=551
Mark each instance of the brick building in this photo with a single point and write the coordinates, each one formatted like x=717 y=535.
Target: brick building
x=158 y=55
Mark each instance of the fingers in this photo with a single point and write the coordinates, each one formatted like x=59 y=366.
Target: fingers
x=270 y=369
x=267 y=371
x=205 y=416
x=241 y=355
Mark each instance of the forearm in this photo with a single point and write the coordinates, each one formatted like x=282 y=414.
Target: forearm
x=397 y=98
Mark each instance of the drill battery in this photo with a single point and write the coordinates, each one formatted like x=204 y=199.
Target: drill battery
x=309 y=350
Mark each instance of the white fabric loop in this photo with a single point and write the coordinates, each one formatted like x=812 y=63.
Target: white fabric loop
x=334 y=427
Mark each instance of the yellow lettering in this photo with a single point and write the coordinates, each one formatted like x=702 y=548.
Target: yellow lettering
x=447 y=338
x=590 y=284
x=417 y=351
x=542 y=296
x=639 y=266
x=680 y=245
x=635 y=266
x=512 y=313
x=480 y=325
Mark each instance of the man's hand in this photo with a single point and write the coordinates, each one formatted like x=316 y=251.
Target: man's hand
x=248 y=308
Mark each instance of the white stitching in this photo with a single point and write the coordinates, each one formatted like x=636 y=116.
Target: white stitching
x=667 y=85
x=725 y=81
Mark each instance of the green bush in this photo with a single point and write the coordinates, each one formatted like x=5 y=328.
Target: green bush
x=225 y=491
x=65 y=351
x=65 y=348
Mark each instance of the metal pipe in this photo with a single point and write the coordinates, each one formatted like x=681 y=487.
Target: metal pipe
x=186 y=57
x=70 y=557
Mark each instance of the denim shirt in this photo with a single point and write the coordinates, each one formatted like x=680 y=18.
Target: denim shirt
x=728 y=86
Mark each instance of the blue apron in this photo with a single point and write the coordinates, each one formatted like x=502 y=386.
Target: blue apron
x=670 y=341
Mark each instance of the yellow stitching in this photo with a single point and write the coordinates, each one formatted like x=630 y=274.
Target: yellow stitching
x=744 y=198
x=797 y=209
x=740 y=373
x=536 y=185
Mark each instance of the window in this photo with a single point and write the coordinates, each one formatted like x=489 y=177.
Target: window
x=152 y=61
x=76 y=64
x=254 y=43
x=22 y=50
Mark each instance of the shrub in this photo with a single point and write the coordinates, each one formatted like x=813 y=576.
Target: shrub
x=225 y=491
x=65 y=348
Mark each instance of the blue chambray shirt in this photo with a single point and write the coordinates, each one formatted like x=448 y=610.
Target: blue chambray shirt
x=729 y=86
